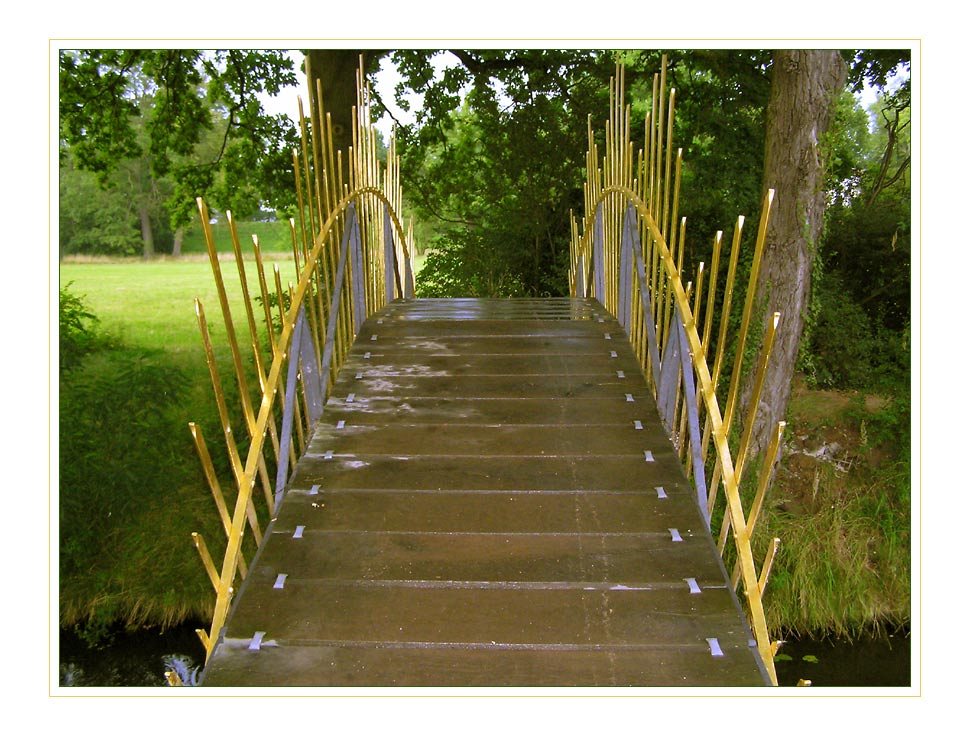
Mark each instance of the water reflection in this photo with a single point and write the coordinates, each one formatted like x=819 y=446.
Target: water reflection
x=871 y=661
x=132 y=659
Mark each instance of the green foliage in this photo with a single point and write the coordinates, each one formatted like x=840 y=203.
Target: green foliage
x=498 y=174
x=94 y=219
x=130 y=486
x=77 y=329
x=843 y=568
x=467 y=264
x=842 y=348
x=719 y=115
x=203 y=125
x=123 y=450
x=857 y=336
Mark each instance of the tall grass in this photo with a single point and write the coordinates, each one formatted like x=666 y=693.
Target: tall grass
x=130 y=490
x=844 y=566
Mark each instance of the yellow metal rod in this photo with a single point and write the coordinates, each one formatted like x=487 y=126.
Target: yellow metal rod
x=207 y=562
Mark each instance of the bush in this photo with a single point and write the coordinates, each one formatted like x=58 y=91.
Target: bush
x=466 y=264
x=124 y=525
x=77 y=335
x=841 y=349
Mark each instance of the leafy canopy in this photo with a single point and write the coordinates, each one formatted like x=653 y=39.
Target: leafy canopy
x=193 y=94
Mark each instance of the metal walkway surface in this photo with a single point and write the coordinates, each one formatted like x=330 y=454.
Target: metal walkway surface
x=489 y=499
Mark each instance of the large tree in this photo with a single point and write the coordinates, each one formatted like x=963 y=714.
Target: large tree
x=805 y=86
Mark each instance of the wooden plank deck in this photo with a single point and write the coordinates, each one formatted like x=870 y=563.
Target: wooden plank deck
x=488 y=500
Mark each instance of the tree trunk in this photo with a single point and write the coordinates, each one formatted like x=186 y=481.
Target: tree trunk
x=177 y=241
x=805 y=85
x=147 y=235
x=337 y=71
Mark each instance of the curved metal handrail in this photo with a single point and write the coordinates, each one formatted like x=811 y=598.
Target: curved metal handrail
x=625 y=257
x=336 y=289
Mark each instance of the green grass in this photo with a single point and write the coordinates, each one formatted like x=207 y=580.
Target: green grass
x=274 y=237
x=837 y=572
x=130 y=488
x=151 y=304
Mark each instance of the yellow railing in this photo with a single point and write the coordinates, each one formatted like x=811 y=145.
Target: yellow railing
x=629 y=255
x=351 y=257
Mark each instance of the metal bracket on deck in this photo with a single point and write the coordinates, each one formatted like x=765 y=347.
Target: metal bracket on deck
x=715 y=647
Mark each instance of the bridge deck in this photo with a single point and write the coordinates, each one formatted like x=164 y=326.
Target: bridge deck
x=489 y=499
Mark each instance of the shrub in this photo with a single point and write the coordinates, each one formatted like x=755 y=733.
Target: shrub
x=841 y=350
x=77 y=335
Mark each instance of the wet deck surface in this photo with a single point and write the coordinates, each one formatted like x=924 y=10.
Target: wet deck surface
x=489 y=500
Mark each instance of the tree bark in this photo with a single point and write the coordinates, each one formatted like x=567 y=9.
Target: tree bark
x=177 y=241
x=805 y=85
x=337 y=71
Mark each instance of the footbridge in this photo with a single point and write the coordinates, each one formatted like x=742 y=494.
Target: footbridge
x=483 y=492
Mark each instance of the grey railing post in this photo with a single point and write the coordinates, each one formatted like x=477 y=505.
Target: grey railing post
x=391 y=276
x=356 y=269
x=667 y=380
x=337 y=288
x=580 y=280
x=693 y=422
x=625 y=285
x=289 y=400
x=599 y=260
x=646 y=302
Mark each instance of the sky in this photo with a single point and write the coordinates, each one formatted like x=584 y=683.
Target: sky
x=385 y=81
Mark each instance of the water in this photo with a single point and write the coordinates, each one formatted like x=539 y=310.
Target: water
x=137 y=659
x=871 y=661
x=142 y=658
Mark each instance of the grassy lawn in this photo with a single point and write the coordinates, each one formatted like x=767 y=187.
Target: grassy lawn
x=151 y=304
